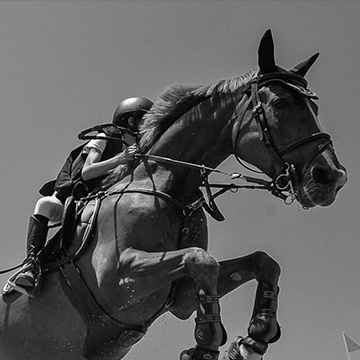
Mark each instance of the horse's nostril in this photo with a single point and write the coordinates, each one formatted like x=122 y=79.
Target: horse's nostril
x=322 y=176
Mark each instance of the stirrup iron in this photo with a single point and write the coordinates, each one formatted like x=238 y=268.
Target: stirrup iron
x=31 y=292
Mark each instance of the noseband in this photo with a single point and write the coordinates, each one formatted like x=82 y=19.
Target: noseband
x=289 y=177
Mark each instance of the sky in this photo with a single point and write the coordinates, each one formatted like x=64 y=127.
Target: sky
x=65 y=65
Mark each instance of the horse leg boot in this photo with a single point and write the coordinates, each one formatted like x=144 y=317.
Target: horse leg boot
x=208 y=314
x=209 y=331
x=263 y=328
x=29 y=274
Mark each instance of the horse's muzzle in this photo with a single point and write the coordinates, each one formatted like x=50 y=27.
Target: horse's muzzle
x=322 y=181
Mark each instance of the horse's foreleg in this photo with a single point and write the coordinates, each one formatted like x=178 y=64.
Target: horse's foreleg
x=263 y=328
x=209 y=332
x=143 y=274
x=238 y=271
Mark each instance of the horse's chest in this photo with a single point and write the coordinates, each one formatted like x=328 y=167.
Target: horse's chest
x=194 y=232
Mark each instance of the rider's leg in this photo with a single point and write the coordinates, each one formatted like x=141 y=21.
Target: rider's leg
x=47 y=209
x=50 y=207
x=36 y=239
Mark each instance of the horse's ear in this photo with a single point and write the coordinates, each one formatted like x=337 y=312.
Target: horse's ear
x=302 y=68
x=266 y=58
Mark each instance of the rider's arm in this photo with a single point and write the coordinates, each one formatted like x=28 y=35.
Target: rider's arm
x=94 y=167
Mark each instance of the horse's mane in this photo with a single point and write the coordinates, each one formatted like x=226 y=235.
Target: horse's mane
x=177 y=102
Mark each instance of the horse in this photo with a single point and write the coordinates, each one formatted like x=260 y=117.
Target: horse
x=146 y=233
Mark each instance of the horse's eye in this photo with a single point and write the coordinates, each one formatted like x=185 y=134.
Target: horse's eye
x=280 y=103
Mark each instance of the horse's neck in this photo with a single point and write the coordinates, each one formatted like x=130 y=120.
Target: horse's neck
x=203 y=139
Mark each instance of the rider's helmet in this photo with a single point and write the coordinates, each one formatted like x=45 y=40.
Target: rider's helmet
x=130 y=111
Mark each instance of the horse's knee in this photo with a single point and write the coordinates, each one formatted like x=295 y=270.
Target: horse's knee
x=266 y=265
x=199 y=263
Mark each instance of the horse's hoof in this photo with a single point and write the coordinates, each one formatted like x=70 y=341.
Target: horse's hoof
x=233 y=352
x=239 y=351
x=257 y=346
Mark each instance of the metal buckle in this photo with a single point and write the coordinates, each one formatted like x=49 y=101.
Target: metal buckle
x=258 y=109
x=284 y=183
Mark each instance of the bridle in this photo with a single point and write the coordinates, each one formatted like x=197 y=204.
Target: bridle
x=282 y=185
x=289 y=176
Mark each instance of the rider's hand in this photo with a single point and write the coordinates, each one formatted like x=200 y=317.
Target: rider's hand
x=128 y=154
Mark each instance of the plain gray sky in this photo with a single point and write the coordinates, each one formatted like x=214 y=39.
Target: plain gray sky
x=64 y=66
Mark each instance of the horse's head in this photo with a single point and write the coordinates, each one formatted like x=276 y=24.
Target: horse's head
x=279 y=132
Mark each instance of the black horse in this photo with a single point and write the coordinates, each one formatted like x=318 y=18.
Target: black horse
x=148 y=251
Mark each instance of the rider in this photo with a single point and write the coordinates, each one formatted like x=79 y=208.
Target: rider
x=98 y=161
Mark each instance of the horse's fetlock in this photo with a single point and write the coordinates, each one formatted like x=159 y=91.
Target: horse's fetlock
x=258 y=327
x=203 y=334
x=264 y=329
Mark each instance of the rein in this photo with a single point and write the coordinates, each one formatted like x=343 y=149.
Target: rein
x=266 y=184
x=204 y=170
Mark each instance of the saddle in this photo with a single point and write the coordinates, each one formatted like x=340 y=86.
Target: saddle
x=77 y=216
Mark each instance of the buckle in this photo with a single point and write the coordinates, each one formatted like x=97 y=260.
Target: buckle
x=284 y=182
x=258 y=109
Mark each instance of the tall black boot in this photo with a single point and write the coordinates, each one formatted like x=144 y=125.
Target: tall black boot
x=36 y=238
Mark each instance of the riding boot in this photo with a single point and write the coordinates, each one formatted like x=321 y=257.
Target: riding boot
x=36 y=238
